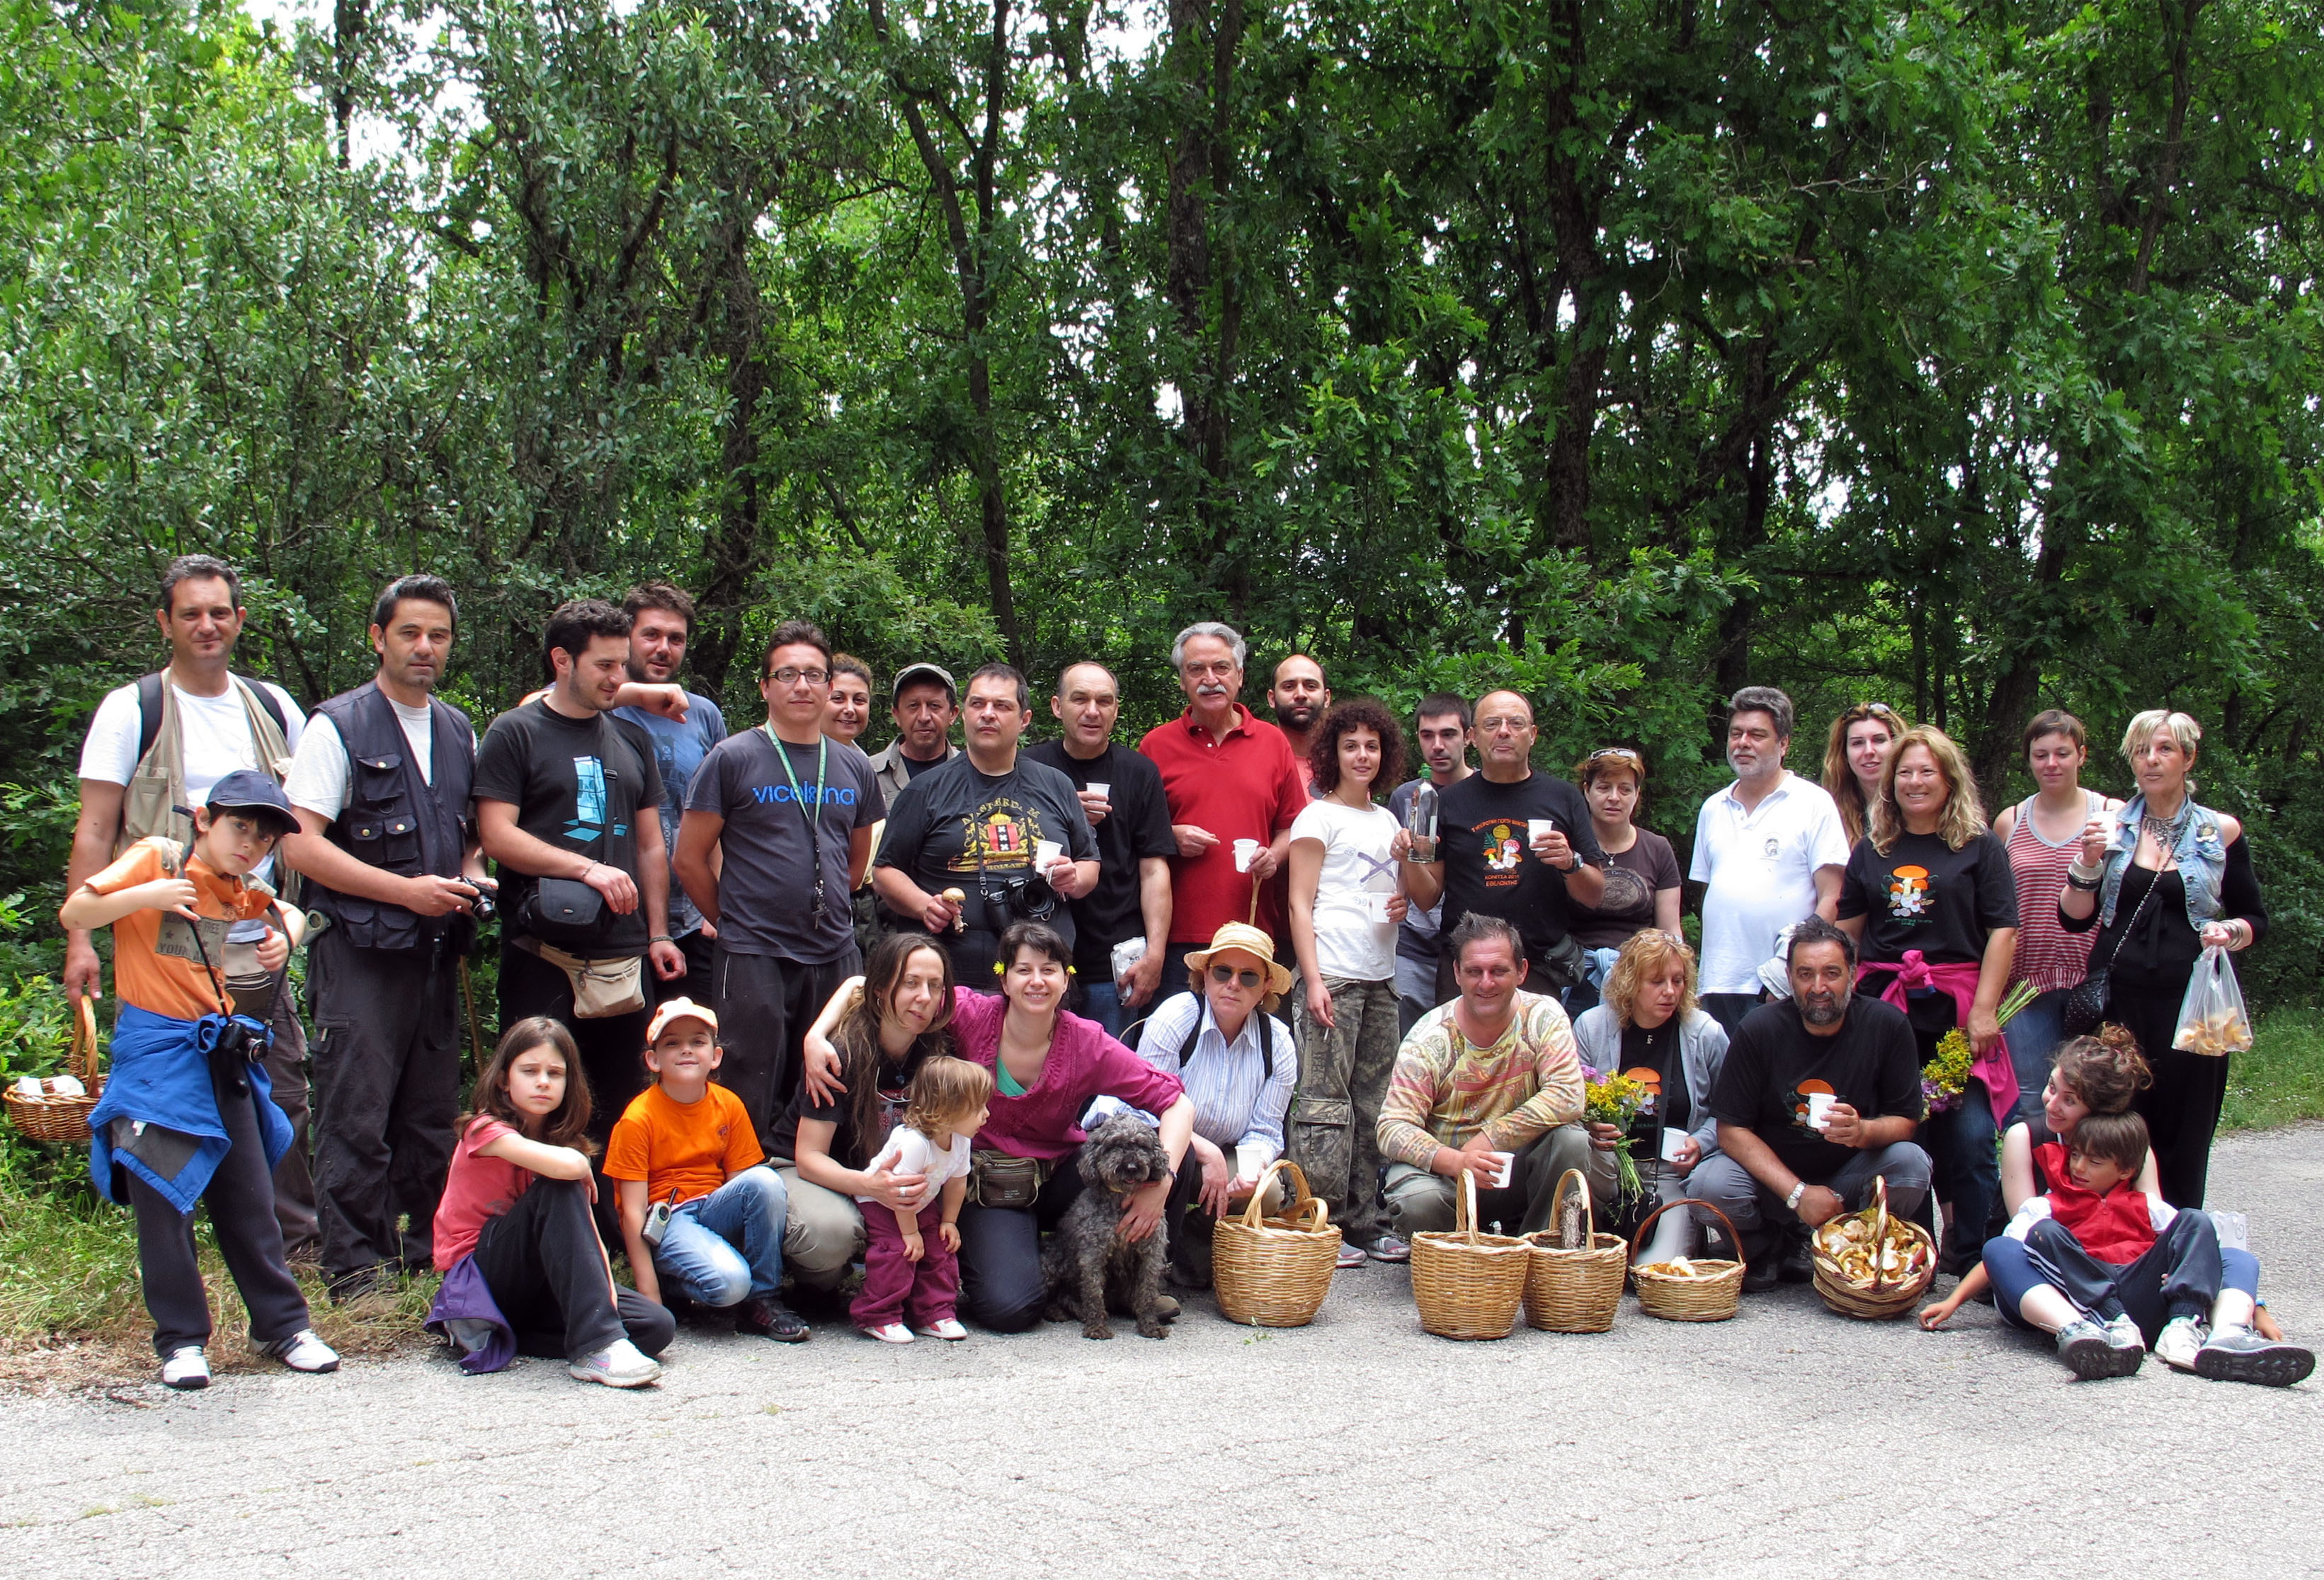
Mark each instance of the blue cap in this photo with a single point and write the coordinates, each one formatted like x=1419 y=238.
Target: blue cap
x=246 y=790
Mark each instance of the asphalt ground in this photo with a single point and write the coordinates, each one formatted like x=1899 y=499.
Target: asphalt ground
x=1788 y=1441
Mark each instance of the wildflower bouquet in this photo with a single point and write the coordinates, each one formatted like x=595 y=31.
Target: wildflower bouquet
x=1944 y=1078
x=1617 y=1100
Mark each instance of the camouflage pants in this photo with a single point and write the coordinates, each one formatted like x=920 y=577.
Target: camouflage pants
x=1334 y=1132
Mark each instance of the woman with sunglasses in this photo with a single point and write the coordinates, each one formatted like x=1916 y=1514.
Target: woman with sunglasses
x=1047 y=1067
x=1642 y=875
x=1346 y=854
x=1861 y=741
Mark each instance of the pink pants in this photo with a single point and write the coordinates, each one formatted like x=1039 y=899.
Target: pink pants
x=929 y=1287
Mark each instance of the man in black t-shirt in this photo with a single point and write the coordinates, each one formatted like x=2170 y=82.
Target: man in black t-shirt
x=1123 y=797
x=565 y=790
x=789 y=813
x=1495 y=856
x=973 y=827
x=1820 y=1094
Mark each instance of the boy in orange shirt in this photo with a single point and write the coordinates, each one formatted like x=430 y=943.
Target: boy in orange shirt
x=187 y=1116
x=688 y=1145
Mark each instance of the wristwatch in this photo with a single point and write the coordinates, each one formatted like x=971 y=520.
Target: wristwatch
x=1791 y=1202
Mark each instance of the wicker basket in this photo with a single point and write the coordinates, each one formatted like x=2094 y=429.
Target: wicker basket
x=1466 y=1284
x=1885 y=1301
x=1275 y=1271
x=1691 y=1300
x=1574 y=1288
x=65 y=1118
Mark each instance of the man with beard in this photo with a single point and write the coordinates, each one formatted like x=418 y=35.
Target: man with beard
x=1820 y=1095
x=661 y=623
x=387 y=834
x=1300 y=700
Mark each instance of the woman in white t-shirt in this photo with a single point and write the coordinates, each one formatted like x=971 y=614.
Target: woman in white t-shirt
x=1345 y=906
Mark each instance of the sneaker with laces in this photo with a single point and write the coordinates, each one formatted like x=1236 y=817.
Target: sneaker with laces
x=1388 y=1248
x=889 y=1333
x=1350 y=1256
x=303 y=1352
x=187 y=1367
x=770 y=1320
x=621 y=1364
x=2238 y=1355
x=2123 y=1333
x=947 y=1328
x=2176 y=1344
x=2083 y=1346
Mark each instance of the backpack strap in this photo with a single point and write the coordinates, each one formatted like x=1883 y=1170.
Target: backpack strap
x=149 y=713
x=1266 y=1037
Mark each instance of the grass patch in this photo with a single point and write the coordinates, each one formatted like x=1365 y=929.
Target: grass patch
x=2282 y=1079
x=71 y=1315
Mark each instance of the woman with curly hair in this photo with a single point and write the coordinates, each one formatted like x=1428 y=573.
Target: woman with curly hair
x=1648 y=1028
x=1345 y=905
x=1929 y=896
x=1862 y=741
x=1642 y=875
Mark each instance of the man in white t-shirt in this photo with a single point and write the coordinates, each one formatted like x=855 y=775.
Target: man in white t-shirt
x=1771 y=849
x=387 y=835
x=157 y=745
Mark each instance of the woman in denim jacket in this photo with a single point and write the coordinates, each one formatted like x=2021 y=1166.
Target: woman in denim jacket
x=2161 y=879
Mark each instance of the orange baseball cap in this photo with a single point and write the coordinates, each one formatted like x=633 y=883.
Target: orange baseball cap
x=678 y=1009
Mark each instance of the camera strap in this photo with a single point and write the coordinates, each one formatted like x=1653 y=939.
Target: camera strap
x=215 y=976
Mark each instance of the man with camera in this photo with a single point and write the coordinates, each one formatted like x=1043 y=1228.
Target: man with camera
x=988 y=838
x=380 y=785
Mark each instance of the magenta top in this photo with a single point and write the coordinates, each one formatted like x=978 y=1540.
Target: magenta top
x=1083 y=1063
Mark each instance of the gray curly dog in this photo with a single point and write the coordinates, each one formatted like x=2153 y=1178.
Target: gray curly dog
x=1086 y=1263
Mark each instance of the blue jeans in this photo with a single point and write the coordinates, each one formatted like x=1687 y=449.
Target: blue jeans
x=727 y=1246
x=2035 y=1033
x=1959 y=1143
x=1104 y=1005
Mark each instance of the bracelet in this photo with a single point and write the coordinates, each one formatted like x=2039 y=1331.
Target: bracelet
x=661 y=938
x=2088 y=885
x=1791 y=1202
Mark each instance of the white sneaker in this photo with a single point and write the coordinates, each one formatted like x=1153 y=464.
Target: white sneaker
x=303 y=1352
x=188 y=1367
x=2176 y=1344
x=2124 y=1335
x=889 y=1333
x=621 y=1364
x=948 y=1329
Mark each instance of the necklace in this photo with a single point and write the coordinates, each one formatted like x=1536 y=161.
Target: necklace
x=2166 y=832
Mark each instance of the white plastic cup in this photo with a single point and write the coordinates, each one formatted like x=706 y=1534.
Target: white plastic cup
x=1099 y=788
x=1820 y=1109
x=1502 y=1164
x=1246 y=851
x=1536 y=827
x=1673 y=1142
x=1046 y=853
x=1376 y=907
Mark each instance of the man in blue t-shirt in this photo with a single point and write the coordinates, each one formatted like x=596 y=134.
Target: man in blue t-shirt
x=662 y=620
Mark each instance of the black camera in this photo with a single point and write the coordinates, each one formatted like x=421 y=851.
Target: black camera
x=482 y=907
x=237 y=1048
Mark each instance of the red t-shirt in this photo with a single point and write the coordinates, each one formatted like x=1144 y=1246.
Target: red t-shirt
x=1248 y=786
x=2117 y=1228
x=477 y=1190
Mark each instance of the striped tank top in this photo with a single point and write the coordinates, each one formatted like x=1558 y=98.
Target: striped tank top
x=2048 y=956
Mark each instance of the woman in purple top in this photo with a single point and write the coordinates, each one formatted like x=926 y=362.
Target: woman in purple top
x=1048 y=1066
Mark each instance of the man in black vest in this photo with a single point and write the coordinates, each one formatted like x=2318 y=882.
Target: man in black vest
x=381 y=785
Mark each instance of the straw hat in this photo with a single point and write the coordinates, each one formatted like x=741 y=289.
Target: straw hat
x=1250 y=940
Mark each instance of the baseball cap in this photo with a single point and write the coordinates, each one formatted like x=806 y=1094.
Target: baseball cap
x=678 y=1009
x=248 y=791
x=923 y=671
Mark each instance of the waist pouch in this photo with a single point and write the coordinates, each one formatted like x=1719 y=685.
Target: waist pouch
x=996 y=1178
x=601 y=988
x=565 y=911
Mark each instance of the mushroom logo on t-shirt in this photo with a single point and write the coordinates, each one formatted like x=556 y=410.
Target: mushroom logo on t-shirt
x=1908 y=892
x=1503 y=849
x=1646 y=1076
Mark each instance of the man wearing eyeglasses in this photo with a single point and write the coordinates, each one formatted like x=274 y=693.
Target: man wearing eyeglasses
x=776 y=833
x=1232 y=779
x=1515 y=844
x=1770 y=848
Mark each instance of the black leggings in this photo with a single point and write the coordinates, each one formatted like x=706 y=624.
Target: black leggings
x=2181 y=1109
x=546 y=1267
x=1001 y=1285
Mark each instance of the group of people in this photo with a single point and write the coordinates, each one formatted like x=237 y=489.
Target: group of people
x=769 y=1002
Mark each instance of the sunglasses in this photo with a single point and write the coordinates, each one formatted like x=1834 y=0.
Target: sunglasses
x=1223 y=975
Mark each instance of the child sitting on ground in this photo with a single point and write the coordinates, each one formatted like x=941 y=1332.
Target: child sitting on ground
x=2108 y=1267
x=687 y=1146
x=187 y=1114
x=905 y=1269
x=516 y=1212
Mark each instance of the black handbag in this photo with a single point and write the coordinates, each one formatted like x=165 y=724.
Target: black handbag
x=2086 y=1000
x=566 y=914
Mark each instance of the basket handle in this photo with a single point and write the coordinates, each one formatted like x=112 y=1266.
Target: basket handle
x=1589 y=1214
x=81 y=1061
x=1306 y=1201
x=1879 y=1229
x=1638 y=1240
x=1464 y=1207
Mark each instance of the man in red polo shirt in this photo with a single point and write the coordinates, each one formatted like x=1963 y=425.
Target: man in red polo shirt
x=1228 y=777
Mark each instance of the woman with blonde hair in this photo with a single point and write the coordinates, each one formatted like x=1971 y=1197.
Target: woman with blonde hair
x=1930 y=899
x=1647 y=1026
x=1861 y=742
x=2161 y=880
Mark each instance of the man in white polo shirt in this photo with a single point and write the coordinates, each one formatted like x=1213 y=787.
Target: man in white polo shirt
x=1769 y=847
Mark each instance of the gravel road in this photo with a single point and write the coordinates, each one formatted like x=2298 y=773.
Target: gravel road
x=1787 y=1442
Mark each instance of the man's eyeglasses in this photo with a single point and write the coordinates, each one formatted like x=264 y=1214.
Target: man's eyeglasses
x=791 y=675
x=1504 y=725
x=1221 y=668
x=1223 y=975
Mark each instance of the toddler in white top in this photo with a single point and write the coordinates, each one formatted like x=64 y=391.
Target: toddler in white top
x=905 y=1270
